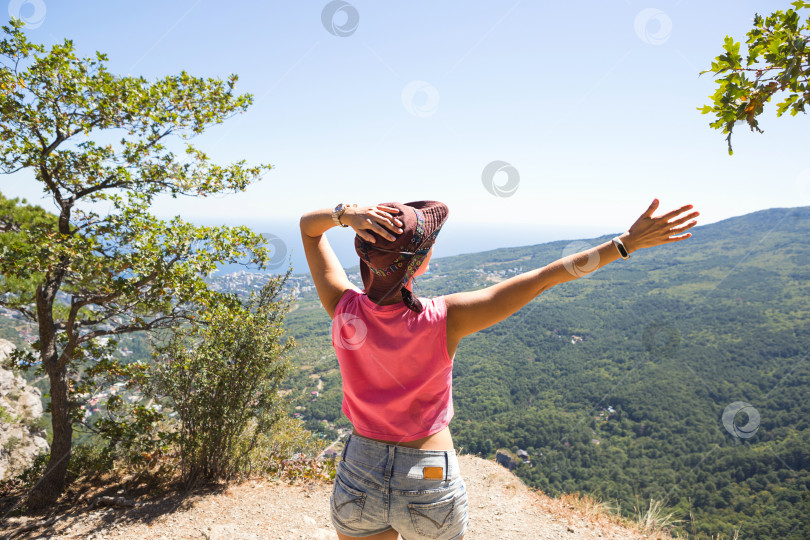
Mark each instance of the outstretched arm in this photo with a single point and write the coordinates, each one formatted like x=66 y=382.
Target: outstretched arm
x=327 y=273
x=471 y=311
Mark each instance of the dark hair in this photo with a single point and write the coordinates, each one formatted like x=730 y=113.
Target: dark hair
x=411 y=301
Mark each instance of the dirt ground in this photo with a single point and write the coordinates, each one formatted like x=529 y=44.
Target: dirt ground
x=501 y=507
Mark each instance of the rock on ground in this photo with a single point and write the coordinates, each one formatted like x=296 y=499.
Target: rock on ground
x=20 y=440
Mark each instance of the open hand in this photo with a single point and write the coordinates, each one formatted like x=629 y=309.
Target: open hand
x=650 y=231
x=379 y=219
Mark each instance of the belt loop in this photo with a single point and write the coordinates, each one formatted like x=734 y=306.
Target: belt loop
x=345 y=447
x=446 y=466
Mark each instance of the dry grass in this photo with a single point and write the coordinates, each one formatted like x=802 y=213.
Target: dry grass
x=655 y=518
x=589 y=506
x=597 y=510
x=655 y=521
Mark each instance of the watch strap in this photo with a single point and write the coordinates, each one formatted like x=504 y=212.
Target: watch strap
x=621 y=247
x=338 y=212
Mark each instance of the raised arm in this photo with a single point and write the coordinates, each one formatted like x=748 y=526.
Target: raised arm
x=471 y=311
x=327 y=273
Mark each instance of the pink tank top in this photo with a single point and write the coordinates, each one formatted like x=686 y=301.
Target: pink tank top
x=397 y=375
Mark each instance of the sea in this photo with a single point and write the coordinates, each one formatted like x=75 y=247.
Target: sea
x=456 y=238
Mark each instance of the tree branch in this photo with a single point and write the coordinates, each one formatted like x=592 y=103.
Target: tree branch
x=23 y=310
x=46 y=150
x=156 y=324
x=112 y=296
x=103 y=185
x=8 y=226
x=48 y=179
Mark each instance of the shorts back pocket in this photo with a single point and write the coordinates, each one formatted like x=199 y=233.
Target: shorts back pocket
x=432 y=519
x=347 y=503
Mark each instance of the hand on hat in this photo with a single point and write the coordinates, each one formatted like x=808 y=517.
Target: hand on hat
x=650 y=231
x=379 y=219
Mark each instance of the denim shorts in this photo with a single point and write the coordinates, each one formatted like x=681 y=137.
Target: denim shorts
x=418 y=493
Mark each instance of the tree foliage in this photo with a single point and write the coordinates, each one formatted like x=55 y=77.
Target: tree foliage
x=222 y=377
x=18 y=220
x=103 y=265
x=777 y=62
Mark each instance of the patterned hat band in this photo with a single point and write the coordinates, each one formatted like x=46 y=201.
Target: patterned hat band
x=410 y=257
x=395 y=251
x=412 y=249
x=387 y=265
x=419 y=257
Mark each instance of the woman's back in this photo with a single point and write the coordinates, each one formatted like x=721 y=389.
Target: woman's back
x=397 y=375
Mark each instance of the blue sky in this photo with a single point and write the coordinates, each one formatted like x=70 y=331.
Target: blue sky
x=593 y=105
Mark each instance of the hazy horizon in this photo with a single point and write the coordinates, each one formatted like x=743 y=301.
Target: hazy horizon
x=456 y=238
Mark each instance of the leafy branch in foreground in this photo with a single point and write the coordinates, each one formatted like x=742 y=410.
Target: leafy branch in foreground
x=778 y=60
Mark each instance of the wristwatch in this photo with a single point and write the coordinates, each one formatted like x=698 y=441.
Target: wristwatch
x=620 y=246
x=337 y=212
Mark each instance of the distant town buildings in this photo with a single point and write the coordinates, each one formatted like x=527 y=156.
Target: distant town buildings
x=244 y=282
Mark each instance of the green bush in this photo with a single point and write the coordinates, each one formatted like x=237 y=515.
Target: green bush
x=89 y=459
x=221 y=376
x=291 y=451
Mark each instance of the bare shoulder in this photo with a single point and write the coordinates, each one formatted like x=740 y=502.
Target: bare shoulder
x=338 y=297
x=457 y=302
x=463 y=313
